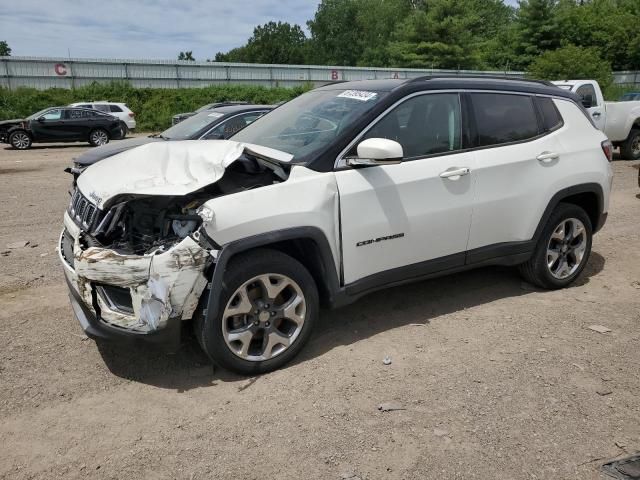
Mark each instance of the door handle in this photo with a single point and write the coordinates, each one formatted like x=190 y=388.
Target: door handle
x=596 y=114
x=455 y=174
x=547 y=157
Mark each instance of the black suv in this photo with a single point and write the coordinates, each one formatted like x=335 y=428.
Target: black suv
x=61 y=124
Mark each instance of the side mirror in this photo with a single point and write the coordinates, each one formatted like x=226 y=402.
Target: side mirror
x=41 y=119
x=377 y=151
x=587 y=101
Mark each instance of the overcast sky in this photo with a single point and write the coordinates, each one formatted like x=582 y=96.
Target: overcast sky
x=156 y=29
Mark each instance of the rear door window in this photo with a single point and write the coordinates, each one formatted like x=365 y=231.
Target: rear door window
x=102 y=107
x=114 y=108
x=551 y=118
x=504 y=118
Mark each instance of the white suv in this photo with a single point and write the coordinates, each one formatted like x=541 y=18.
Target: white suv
x=119 y=110
x=340 y=192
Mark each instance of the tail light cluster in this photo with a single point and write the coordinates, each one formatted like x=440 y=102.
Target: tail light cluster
x=131 y=114
x=607 y=148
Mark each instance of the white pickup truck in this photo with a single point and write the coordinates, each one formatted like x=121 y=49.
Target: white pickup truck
x=620 y=121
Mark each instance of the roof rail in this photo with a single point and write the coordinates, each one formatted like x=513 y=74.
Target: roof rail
x=482 y=77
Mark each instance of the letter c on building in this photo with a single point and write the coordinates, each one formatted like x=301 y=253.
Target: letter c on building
x=60 y=69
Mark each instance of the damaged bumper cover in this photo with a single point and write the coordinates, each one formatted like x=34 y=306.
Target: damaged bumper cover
x=139 y=296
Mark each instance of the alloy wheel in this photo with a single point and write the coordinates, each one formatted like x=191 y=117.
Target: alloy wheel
x=20 y=140
x=264 y=317
x=566 y=248
x=99 y=137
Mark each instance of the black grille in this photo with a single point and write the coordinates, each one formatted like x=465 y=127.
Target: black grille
x=83 y=212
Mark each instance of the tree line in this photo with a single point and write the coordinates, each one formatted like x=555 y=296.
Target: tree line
x=548 y=38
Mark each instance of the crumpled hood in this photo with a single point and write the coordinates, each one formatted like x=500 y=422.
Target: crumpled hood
x=166 y=168
x=94 y=155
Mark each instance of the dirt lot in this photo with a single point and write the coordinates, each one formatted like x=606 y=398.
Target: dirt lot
x=497 y=380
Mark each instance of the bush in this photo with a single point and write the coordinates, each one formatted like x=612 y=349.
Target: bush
x=571 y=62
x=154 y=107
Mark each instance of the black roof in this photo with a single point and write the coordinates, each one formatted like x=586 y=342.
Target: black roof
x=455 y=82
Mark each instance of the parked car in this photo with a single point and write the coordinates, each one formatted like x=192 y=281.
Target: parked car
x=629 y=97
x=620 y=121
x=120 y=110
x=219 y=123
x=345 y=190
x=179 y=117
x=61 y=124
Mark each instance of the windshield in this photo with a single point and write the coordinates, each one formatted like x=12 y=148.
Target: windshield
x=310 y=122
x=187 y=128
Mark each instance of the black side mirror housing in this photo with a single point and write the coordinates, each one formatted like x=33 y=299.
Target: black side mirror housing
x=587 y=101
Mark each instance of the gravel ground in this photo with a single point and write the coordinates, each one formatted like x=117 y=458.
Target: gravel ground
x=496 y=379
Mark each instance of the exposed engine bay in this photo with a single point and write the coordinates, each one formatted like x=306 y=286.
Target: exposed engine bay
x=134 y=224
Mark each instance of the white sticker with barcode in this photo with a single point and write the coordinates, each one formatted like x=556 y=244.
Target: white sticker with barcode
x=360 y=95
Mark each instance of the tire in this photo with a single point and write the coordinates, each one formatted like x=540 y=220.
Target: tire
x=20 y=140
x=98 y=137
x=630 y=148
x=251 y=351
x=124 y=129
x=543 y=268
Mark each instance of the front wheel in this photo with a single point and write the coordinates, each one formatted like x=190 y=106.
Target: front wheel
x=562 y=250
x=630 y=149
x=268 y=307
x=98 y=137
x=20 y=140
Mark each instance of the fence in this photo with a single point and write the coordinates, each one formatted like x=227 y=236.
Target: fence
x=44 y=72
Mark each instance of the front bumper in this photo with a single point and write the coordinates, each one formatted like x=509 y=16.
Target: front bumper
x=140 y=297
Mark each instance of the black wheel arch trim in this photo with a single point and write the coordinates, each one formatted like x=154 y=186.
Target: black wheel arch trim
x=229 y=250
x=594 y=188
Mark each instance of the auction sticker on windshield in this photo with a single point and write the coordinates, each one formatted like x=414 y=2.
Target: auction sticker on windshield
x=360 y=95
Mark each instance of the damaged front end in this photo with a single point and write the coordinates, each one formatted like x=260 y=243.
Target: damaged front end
x=136 y=265
x=139 y=264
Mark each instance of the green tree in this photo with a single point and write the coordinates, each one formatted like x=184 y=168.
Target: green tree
x=572 y=62
x=5 y=49
x=609 y=25
x=537 y=29
x=186 y=56
x=335 y=40
x=441 y=34
x=280 y=43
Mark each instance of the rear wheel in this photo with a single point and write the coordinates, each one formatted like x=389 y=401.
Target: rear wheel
x=20 y=140
x=98 y=137
x=268 y=306
x=630 y=149
x=562 y=250
x=124 y=129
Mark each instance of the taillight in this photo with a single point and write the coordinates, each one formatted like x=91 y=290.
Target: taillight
x=607 y=148
x=131 y=114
